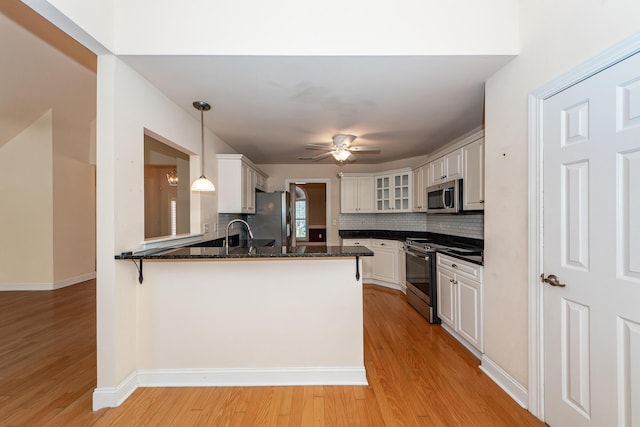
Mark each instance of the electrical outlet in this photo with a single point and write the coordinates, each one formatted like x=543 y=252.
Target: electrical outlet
x=205 y=228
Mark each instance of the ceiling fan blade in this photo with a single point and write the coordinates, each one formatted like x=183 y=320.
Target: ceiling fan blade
x=320 y=156
x=364 y=149
x=319 y=146
x=316 y=158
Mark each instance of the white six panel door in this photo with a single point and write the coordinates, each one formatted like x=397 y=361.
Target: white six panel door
x=591 y=143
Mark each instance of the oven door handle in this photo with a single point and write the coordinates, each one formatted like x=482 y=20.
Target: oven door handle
x=413 y=254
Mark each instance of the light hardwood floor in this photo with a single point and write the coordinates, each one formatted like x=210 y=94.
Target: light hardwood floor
x=418 y=376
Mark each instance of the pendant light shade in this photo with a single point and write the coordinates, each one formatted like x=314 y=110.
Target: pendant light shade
x=202 y=183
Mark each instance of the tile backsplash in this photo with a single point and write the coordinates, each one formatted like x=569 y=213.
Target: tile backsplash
x=468 y=225
x=223 y=220
x=395 y=222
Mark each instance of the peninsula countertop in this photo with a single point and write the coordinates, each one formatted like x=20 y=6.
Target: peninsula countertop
x=236 y=252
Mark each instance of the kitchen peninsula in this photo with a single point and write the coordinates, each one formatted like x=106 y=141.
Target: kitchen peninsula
x=208 y=316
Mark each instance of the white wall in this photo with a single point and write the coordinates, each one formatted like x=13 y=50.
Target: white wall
x=290 y=27
x=238 y=314
x=26 y=209
x=74 y=214
x=555 y=36
x=62 y=221
x=128 y=105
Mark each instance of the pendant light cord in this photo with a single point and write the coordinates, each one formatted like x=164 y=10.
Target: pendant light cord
x=202 y=140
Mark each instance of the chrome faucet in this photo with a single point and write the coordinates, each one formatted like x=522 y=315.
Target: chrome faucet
x=226 y=239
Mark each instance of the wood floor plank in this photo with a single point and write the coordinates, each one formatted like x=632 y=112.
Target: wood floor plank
x=418 y=376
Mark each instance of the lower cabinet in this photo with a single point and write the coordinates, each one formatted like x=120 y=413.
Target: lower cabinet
x=402 y=266
x=385 y=260
x=460 y=296
x=387 y=266
x=367 y=261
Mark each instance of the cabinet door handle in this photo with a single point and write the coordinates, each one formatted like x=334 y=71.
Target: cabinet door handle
x=451 y=280
x=481 y=201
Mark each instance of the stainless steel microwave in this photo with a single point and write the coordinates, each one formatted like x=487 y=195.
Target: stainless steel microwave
x=445 y=198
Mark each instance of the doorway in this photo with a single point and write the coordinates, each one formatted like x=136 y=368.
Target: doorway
x=310 y=207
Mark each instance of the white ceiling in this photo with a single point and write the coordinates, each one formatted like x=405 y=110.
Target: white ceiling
x=41 y=69
x=269 y=107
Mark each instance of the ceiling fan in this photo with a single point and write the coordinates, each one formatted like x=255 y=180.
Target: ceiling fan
x=341 y=149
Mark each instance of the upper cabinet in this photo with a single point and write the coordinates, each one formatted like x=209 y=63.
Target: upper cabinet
x=238 y=179
x=446 y=168
x=393 y=192
x=420 y=178
x=473 y=194
x=356 y=194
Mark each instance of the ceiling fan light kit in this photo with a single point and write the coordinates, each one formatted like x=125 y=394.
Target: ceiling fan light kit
x=341 y=149
x=341 y=154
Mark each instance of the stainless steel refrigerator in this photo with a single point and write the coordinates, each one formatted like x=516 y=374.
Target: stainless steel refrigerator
x=272 y=219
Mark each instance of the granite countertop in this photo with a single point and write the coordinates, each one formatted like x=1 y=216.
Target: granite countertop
x=237 y=252
x=474 y=259
x=474 y=248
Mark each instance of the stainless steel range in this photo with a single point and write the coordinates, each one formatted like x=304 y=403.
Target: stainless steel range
x=421 y=276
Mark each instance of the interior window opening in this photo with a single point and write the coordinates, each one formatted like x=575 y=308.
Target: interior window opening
x=167 y=190
x=301 y=214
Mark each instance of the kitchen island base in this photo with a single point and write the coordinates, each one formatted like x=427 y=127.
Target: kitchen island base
x=288 y=321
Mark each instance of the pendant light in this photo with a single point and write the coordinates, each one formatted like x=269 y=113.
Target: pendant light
x=172 y=178
x=202 y=183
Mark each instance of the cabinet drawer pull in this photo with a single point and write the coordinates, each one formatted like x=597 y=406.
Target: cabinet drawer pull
x=454 y=265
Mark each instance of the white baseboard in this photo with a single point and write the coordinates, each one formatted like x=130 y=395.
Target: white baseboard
x=236 y=377
x=477 y=353
x=74 y=280
x=512 y=387
x=110 y=397
x=395 y=286
x=47 y=286
x=251 y=377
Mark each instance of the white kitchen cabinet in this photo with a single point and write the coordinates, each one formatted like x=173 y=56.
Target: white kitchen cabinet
x=236 y=187
x=393 y=192
x=446 y=297
x=419 y=185
x=473 y=194
x=385 y=261
x=248 y=189
x=446 y=168
x=460 y=295
x=402 y=266
x=367 y=261
x=469 y=310
x=356 y=194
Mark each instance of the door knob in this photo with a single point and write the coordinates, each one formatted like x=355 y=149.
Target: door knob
x=552 y=280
